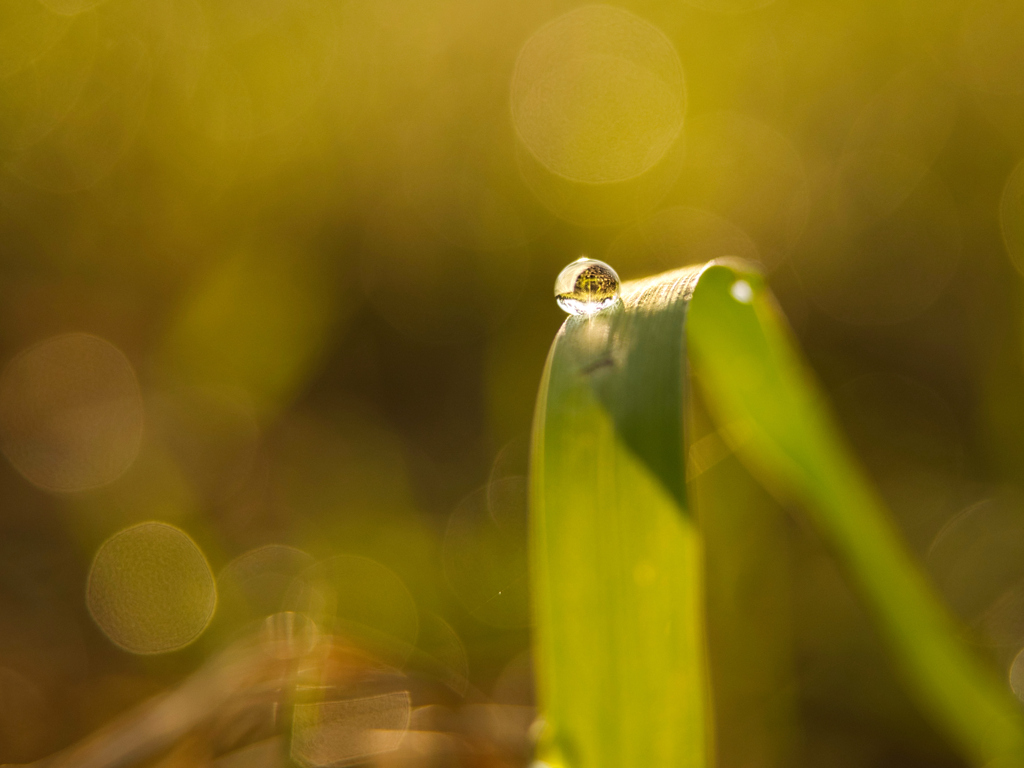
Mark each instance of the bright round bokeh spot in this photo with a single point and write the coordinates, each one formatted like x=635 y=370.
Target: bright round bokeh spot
x=598 y=95
x=151 y=589
x=256 y=583
x=1017 y=675
x=71 y=414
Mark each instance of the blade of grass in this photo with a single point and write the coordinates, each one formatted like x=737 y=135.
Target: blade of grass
x=757 y=387
x=749 y=590
x=616 y=563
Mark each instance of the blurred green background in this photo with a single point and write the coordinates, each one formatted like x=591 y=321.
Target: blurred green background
x=277 y=273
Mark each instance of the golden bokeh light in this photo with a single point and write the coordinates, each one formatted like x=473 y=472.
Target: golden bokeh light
x=978 y=555
x=342 y=732
x=151 y=589
x=155 y=487
x=71 y=414
x=598 y=100
x=256 y=583
x=594 y=205
x=598 y=95
x=92 y=136
x=290 y=635
x=1017 y=675
x=445 y=653
x=360 y=599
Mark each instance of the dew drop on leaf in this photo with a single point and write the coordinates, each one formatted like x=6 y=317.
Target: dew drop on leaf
x=586 y=286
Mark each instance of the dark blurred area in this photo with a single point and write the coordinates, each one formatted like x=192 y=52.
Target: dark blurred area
x=275 y=297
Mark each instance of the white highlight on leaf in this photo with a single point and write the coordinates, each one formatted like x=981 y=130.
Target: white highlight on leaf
x=742 y=292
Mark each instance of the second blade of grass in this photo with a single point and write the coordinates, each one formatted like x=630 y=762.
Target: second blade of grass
x=761 y=394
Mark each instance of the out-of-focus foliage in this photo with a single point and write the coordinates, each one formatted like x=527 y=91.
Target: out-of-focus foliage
x=278 y=274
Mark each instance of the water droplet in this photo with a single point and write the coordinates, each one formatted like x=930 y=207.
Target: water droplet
x=586 y=286
x=742 y=292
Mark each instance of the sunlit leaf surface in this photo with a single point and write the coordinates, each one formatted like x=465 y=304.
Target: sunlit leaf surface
x=616 y=558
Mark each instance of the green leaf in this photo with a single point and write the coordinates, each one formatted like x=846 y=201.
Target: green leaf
x=616 y=553
x=749 y=551
x=762 y=396
x=616 y=562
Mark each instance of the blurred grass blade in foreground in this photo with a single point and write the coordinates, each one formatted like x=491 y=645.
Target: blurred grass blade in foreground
x=616 y=560
x=758 y=390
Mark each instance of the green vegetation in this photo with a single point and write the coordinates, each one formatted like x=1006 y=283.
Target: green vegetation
x=616 y=554
x=617 y=563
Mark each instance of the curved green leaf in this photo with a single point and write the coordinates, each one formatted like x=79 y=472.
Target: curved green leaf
x=757 y=387
x=615 y=553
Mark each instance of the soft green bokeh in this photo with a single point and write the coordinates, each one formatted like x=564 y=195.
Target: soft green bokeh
x=319 y=238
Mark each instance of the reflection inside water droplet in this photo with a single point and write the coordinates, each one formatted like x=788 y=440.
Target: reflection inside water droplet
x=150 y=589
x=586 y=286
